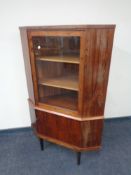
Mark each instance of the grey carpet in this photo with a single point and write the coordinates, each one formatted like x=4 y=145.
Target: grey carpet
x=20 y=154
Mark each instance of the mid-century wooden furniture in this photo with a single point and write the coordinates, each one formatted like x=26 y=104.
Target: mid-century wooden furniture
x=67 y=70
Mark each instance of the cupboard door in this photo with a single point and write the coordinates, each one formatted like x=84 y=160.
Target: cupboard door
x=59 y=128
x=94 y=68
x=55 y=59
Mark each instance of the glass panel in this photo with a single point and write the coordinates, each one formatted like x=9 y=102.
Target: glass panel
x=61 y=48
x=58 y=97
x=57 y=66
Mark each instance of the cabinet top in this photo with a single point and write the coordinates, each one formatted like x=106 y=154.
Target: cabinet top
x=68 y=27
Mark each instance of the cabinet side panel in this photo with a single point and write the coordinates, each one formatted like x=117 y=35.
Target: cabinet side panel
x=26 y=57
x=92 y=133
x=98 y=49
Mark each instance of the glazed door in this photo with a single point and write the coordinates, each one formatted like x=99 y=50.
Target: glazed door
x=55 y=61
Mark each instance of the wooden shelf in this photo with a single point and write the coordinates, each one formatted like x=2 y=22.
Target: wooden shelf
x=64 y=59
x=65 y=82
x=55 y=48
x=68 y=101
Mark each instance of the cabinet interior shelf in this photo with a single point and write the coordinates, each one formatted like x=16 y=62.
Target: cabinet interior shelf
x=63 y=59
x=68 y=101
x=54 y=48
x=65 y=82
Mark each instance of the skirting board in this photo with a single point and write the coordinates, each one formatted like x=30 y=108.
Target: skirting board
x=13 y=130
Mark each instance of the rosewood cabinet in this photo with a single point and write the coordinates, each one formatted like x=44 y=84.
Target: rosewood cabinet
x=67 y=70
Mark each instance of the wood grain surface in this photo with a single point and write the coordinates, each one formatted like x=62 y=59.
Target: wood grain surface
x=69 y=111
x=82 y=134
x=94 y=70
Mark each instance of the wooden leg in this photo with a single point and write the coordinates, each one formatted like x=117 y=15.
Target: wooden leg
x=41 y=144
x=78 y=158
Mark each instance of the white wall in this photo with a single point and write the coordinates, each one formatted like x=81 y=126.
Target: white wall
x=14 y=13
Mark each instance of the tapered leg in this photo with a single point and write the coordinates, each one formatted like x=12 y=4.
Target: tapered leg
x=41 y=144
x=78 y=158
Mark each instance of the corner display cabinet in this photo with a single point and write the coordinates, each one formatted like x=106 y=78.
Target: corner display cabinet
x=67 y=70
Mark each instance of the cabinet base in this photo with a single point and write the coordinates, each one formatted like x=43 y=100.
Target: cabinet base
x=73 y=147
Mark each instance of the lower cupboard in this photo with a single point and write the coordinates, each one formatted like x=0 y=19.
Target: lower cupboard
x=78 y=135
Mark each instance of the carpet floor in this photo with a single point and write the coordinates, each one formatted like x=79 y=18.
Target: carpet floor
x=20 y=154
